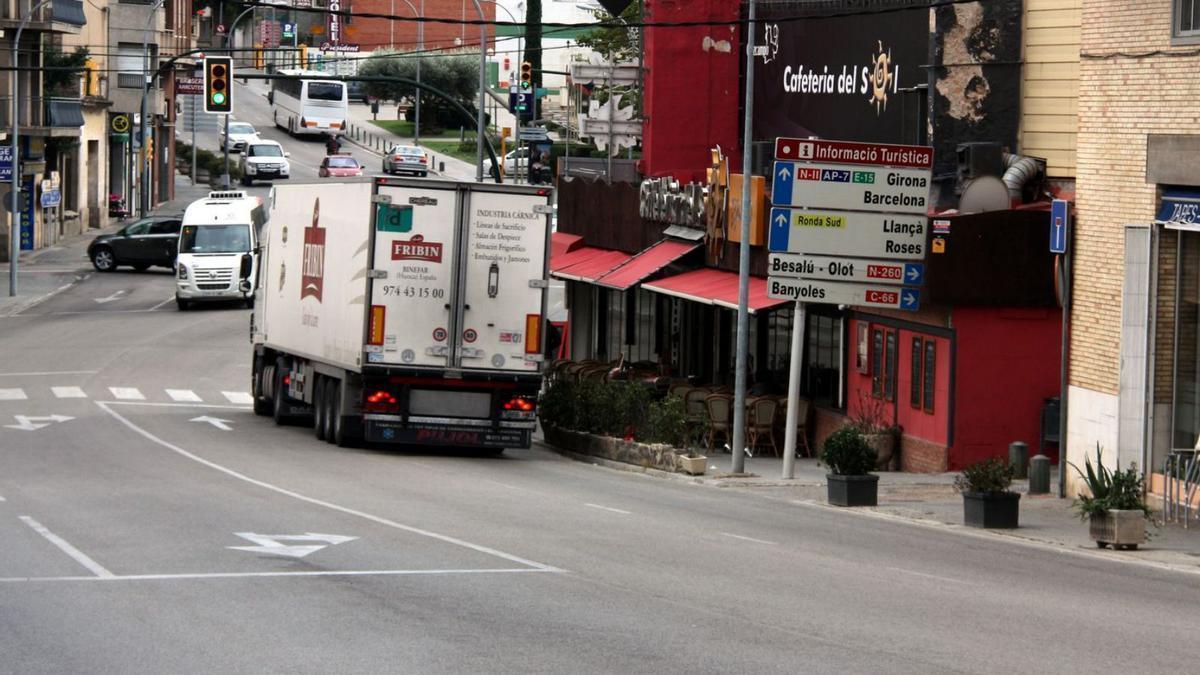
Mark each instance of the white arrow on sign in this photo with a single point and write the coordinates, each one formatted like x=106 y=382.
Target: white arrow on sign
x=114 y=296
x=27 y=423
x=273 y=543
x=215 y=421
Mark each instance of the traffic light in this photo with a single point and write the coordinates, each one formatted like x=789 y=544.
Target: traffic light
x=218 y=84
x=526 y=76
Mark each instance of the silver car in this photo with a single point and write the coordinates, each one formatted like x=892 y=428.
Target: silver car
x=408 y=158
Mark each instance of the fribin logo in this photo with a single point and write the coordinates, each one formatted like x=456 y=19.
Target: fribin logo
x=417 y=249
x=312 y=275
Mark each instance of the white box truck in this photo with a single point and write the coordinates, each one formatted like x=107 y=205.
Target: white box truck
x=404 y=311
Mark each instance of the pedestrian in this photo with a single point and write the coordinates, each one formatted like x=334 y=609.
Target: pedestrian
x=332 y=146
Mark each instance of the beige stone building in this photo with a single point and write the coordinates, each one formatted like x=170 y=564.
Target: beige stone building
x=1134 y=373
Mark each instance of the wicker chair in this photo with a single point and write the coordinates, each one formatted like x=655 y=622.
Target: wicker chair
x=720 y=418
x=760 y=422
x=697 y=413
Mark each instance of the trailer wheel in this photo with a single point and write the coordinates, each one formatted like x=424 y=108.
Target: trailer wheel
x=332 y=392
x=342 y=436
x=278 y=404
x=319 y=395
x=262 y=405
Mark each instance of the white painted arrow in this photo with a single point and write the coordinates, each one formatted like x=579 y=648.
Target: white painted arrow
x=114 y=296
x=273 y=543
x=215 y=421
x=28 y=423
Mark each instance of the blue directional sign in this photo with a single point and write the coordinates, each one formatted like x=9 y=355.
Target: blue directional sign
x=781 y=188
x=51 y=198
x=1059 y=224
x=910 y=299
x=6 y=163
x=914 y=274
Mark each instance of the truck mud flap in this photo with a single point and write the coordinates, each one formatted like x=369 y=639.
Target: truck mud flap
x=378 y=431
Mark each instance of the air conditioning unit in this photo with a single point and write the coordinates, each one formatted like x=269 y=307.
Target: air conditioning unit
x=979 y=159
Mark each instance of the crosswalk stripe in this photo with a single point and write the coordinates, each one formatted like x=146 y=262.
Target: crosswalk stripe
x=68 y=392
x=238 y=397
x=183 y=395
x=12 y=395
x=127 y=393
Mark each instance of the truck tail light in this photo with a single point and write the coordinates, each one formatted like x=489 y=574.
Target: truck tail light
x=533 y=333
x=380 y=401
x=519 y=408
x=375 y=336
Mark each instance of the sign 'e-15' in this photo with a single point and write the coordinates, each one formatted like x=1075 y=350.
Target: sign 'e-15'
x=851 y=187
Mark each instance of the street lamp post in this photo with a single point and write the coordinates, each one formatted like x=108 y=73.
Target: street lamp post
x=14 y=232
x=225 y=144
x=479 y=128
x=420 y=51
x=143 y=163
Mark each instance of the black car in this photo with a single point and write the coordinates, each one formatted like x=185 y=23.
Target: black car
x=149 y=241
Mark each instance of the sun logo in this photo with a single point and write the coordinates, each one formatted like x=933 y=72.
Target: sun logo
x=881 y=78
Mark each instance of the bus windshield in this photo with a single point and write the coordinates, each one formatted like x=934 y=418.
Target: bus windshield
x=325 y=91
x=214 y=239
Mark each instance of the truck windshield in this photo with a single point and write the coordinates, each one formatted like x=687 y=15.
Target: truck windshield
x=214 y=239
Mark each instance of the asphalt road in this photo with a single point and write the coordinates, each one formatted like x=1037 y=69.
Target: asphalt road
x=151 y=523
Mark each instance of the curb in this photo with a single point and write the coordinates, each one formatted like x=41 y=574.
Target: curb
x=35 y=301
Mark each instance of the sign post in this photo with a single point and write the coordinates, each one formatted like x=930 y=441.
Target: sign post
x=848 y=226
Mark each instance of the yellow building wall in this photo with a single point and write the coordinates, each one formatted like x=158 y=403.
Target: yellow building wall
x=1050 y=83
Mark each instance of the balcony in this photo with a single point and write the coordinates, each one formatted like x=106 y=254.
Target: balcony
x=61 y=15
x=44 y=116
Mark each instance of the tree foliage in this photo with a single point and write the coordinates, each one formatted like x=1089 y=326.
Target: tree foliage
x=455 y=74
x=615 y=43
x=63 y=70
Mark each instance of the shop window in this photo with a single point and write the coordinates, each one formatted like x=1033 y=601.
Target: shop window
x=1186 y=396
x=822 y=366
x=923 y=386
x=929 y=376
x=915 y=372
x=883 y=363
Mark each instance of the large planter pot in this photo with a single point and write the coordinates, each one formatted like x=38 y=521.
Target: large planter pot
x=695 y=466
x=993 y=510
x=1121 y=529
x=853 y=490
x=887 y=459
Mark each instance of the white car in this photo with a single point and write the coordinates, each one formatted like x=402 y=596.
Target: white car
x=510 y=162
x=264 y=160
x=240 y=133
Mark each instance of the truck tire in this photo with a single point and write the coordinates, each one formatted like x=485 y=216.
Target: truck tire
x=278 y=402
x=331 y=393
x=341 y=435
x=319 y=394
x=262 y=405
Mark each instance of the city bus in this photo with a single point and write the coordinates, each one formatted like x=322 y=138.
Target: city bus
x=302 y=106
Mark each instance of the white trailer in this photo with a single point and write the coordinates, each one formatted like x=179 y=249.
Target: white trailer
x=404 y=311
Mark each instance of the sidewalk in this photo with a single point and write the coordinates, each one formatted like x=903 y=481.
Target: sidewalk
x=930 y=500
x=45 y=272
x=360 y=122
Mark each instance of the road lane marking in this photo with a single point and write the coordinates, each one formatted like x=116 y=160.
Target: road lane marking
x=273 y=543
x=50 y=372
x=217 y=406
x=68 y=392
x=318 y=502
x=609 y=508
x=217 y=422
x=757 y=541
x=183 y=395
x=12 y=395
x=936 y=577
x=77 y=555
x=307 y=573
x=170 y=299
x=2 y=499
x=127 y=393
x=238 y=397
x=33 y=423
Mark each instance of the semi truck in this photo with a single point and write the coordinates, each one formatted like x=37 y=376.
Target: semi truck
x=403 y=311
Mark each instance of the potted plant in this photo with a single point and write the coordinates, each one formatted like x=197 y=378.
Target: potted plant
x=1116 y=509
x=987 y=501
x=871 y=420
x=667 y=422
x=850 y=460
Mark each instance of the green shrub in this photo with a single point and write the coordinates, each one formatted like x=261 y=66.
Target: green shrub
x=989 y=476
x=847 y=453
x=1110 y=490
x=666 y=422
x=557 y=405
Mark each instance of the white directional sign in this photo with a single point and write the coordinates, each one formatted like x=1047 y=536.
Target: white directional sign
x=843 y=293
x=273 y=543
x=30 y=423
x=217 y=422
x=853 y=233
x=802 y=266
x=861 y=188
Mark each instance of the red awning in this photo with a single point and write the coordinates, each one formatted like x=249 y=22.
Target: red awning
x=562 y=243
x=586 y=263
x=646 y=263
x=714 y=287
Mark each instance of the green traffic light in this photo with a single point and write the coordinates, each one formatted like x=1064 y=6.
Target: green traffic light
x=218 y=98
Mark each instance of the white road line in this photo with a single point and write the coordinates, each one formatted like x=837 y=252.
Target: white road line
x=238 y=397
x=2 y=499
x=180 y=405
x=68 y=392
x=127 y=393
x=929 y=576
x=183 y=395
x=757 y=541
x=51 y=372
x=318 y=502
x=609 y=508
x=310 y=573
x=77 y=555
x=12 y=395
x=170 y=299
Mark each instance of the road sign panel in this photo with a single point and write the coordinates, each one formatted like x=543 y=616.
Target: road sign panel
x=1059 y=223
x=828 y=232
x=189 y=86
x=6 y=163
x=843 y=293
x=848 y=152
x=850 y=187
x=802 y=266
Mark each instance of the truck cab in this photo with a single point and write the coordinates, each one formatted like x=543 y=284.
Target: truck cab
x=218 y=249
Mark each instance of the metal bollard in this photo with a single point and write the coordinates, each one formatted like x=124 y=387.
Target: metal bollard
x=1039 y=475
x=441 y=167
x=1018 y=454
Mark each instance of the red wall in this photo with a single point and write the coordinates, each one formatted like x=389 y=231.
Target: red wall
x=374 y=34
x=691 y=88
x=1008 y=363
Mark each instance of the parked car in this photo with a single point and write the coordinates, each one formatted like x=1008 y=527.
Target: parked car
x=336 y=166
x=240 y=133
x=510 y=162
x=408 y=158
x=140 y=244
x=264 y=159
x=356 y=90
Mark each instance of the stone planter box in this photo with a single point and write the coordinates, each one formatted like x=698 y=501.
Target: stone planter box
x=695 y=466
x=1121 y=529
x=853 y=490
x=650 y=456
x=999 y=510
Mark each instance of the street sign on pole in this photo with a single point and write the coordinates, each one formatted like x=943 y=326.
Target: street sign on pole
x=843 y=293
x=851 y=187
x=50 y=198
x=850 y=233
x=849 y=152
x=6 y=164
x=189 y=86
x=1059 y=224
x=803 y=266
